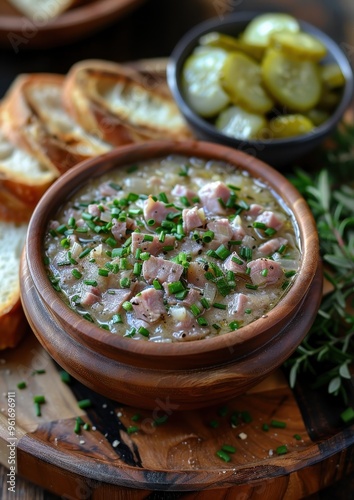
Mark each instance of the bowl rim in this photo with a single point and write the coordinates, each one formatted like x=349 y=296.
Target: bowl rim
x=113 y=345
x=189 y=41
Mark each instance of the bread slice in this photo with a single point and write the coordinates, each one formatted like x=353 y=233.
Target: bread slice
x=119 y=105
x=43 y=9
x=34 y=118
x=12 y=319
x=23 y=180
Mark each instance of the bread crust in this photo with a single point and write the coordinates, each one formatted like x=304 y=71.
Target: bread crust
x=86 y=97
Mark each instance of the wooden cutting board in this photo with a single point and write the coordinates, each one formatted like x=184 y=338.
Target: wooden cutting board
x=174 y=452
x=179 y=454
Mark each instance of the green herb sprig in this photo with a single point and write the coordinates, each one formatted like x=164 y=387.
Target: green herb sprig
x=328 y=350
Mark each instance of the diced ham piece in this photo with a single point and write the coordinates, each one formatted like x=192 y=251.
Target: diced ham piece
x=195 y=274
x=192 y=218
x=180 y=190
x=237 y=267
x=91 y=296
x=274 y=271
x=119 y=230
x=94 y=210
x=112 y=302
x=163 y=270
x=156 y=210
x=237 y=305
x=154 y=247
x=254 y=210
x=223 y=232
x=209 y=196
x=270 y=219
x=271 y=246
x=148 y=305
x=193 y=297
x=185 y=325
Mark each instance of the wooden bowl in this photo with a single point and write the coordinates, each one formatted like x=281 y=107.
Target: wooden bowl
x=276 y=152
x=187 y=375
x=18 y=33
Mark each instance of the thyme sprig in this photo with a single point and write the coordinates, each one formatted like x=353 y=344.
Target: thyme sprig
x=328 y=349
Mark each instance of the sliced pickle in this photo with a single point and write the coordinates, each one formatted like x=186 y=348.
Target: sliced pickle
x=239 y=123
x=241 y=78
x=290 y=126
x=219 y=40
x=300 y=45
x=294 y=83
x=201 y=81
x=260 y=29
x=332 y=75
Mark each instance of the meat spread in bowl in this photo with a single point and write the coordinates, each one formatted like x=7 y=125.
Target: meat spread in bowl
x=174 y=249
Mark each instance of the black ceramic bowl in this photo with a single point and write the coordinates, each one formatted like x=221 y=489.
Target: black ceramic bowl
x=277 y=152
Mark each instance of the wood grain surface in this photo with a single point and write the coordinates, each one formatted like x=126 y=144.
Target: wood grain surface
x=319 y=415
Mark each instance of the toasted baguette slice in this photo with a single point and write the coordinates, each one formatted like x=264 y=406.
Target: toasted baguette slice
x=12 y=324
x=35 y=120
x=117 y=104
x=42 y=9
x=23 y=180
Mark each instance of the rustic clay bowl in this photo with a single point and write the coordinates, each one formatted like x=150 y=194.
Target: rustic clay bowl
x=277 y=152
x=188 y=375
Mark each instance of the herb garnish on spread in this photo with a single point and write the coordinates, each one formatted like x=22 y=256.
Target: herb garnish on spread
x=172 y=250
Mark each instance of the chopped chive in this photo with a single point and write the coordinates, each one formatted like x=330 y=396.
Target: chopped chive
x=270 y=231
x=87 y=426
x=136 y=417
x=168 y=248
x=281 y=450
x=21 y=385
x=184 y=171
x=181 y=295
x=115 y=186
x=157 y=285
x=117 y=318
x=175 y=286
x=148 y=237
x=216 y=326
x=278 y=424
x=208 y=236
x=228 y=448
x=297 y=437
x=265 y=427
x=209 y=276
x=184 y=201
x=88 y=317
x=246 y=253
x=232 y=186
x=151 y=222
x=123 y=263
x=264 y=272
x=259 y=225
x=234 y=420
x=77 y=426
x=145 y=256
x=39 y=399
x=234 y=325
x=202 y=321
x=282 y=249
x=237 y=260
x=222 y=252
x=212 y=253
x=205 y=303
x=195 y=310
x=84 y=403
x=111 y=242
x=130 y=333
x=127 y=306
x=162 y=237
x=84 y=253
x=90 y=282
x=250 y=286
x=61 y=229
x=37 y=407
x=223 y=455
x=65 y=377
x=39 y=372
x=248 y=311
x=124 y=282
x=285 y=285
x=163 y=197
x=132 y=429
x=143 y=331
x=289 y=274
x=103 y=272
x=217 y=305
